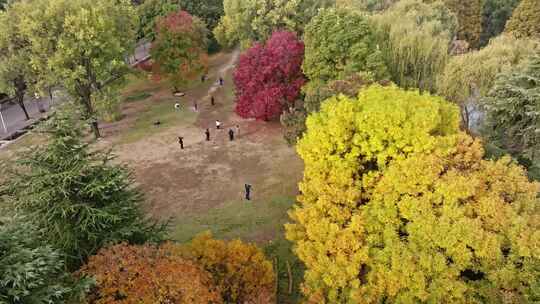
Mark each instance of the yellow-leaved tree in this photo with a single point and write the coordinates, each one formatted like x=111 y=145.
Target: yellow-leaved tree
x=346 y=147
x=397 y=205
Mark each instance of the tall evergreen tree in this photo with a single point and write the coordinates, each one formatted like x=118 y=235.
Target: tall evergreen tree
x=496 y=14
x=513 y=113
x=32 y=273
x=78 y=199
x=525 y=21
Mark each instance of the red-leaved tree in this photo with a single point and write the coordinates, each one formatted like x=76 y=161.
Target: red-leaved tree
x=269 y=76
x=179 y=51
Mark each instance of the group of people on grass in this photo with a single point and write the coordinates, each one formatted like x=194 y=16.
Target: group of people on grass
x=232 y=132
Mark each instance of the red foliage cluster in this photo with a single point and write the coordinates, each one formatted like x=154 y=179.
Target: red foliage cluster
x=269 y=77
x=177 y=22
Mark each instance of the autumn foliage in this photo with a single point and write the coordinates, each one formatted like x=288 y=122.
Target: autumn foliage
x=203 y=271
x=147 y=274
x=398 y=206
x=179 y=51
x=269 y=76
x=241 y=271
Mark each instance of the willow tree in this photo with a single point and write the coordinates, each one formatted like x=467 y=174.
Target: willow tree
x=470 y=76
x=414 y=38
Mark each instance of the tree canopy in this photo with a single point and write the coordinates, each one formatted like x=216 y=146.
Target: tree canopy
x=147 y=274
x=513 y=112
x=346 y=147
x=32 y=273
x=179 y=51
x=496 y=14
x=269 y=77
x=81 y=44
x=415 y=38
x=340 y=42
x=247 y=21
x=469 y=15
x=525 y=21
x=473 y=74
x=16 y=73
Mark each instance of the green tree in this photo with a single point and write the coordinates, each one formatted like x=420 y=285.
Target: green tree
x=149 y=11
x=179 y=51
x=513 y=113
x=246 y=21
x=210 y=11
x=32 y=273
x=347 y=146
x=15 y=69
x=525 y=21
x=469 y=14
x=496 y=13
x=78 y=200
x=81 y=44
x=415 y=37
x=338 y=43
x=468 y=77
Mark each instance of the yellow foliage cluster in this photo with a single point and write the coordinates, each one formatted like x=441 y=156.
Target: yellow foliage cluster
x=397 y=204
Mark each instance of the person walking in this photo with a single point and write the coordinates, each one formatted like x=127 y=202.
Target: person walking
x=212 y=101
x=238 y=130
x=248 y=191
x=195 y=106
x=203 y=78
x=181 y=142
x=218 y=124
x=207 y=133
x=221 y=81
x=231 y=134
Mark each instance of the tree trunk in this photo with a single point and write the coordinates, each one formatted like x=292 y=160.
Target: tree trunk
x=20 y=101
x=20 y=89
x=87 y=103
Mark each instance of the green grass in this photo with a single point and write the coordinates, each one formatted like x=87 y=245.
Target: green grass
x=237 y=219
x=164 y=112
x=245 y=220
x=137 y=96
x=281 y=254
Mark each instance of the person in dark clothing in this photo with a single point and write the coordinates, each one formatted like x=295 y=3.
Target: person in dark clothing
x=212 y=101
x=195 y=106
x=181 y=142
x=207 y=132
x=231 y=134
x=157 y=123
x=203 y=78
x=221 y=81
x=248 y=191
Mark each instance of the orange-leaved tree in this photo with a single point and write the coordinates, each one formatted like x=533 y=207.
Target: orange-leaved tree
x=147 y=274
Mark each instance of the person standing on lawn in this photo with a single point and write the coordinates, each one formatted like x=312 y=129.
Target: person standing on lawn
x=181 y=142
x=248 y=191
x=231 y=134
x=212 y=101
x=207 y=132
x=218 y=124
